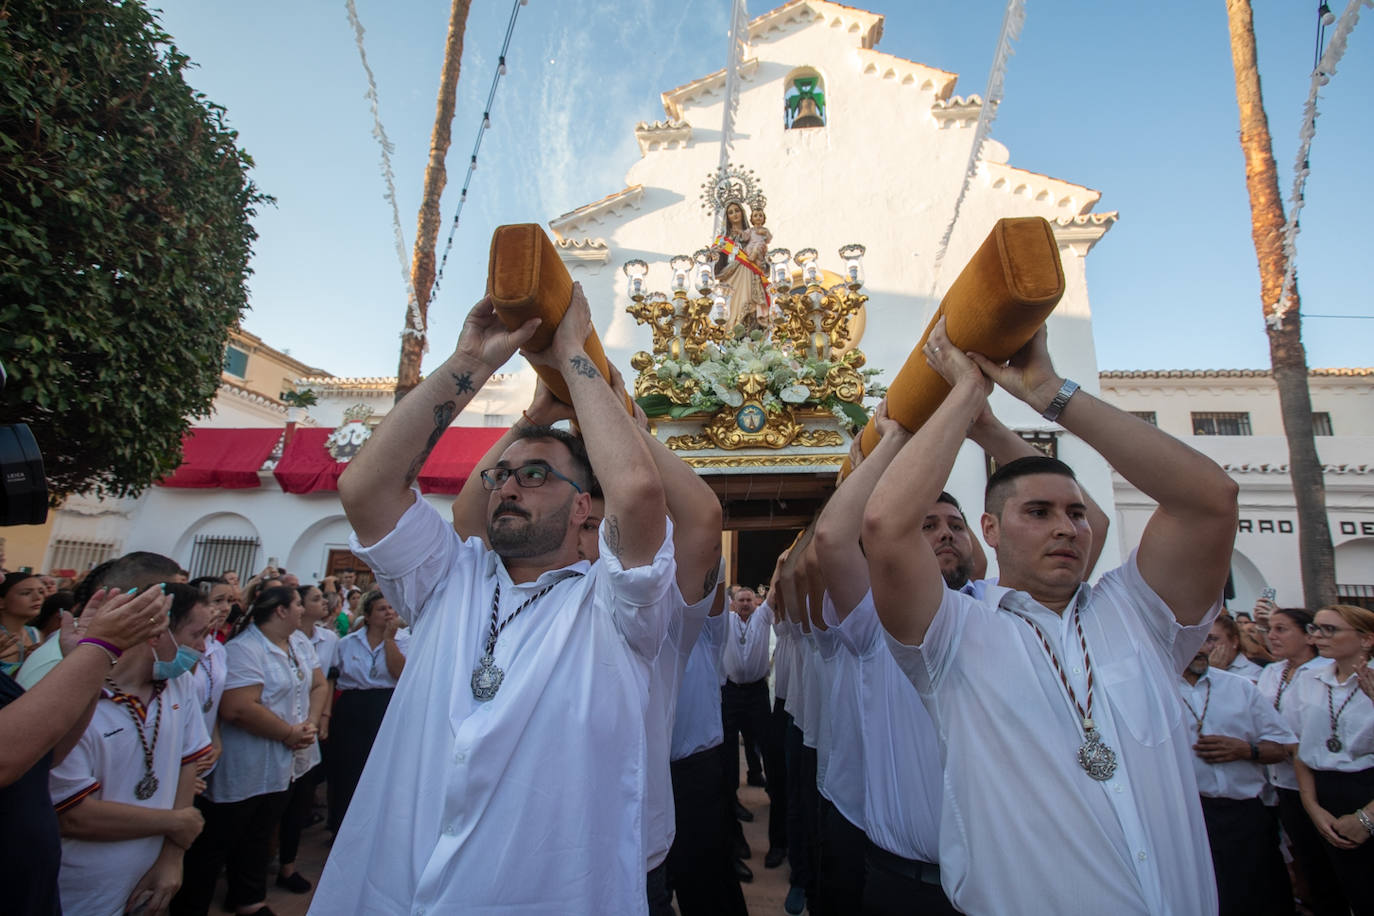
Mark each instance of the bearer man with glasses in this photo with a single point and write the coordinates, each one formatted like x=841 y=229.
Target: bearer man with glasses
x=509 y=773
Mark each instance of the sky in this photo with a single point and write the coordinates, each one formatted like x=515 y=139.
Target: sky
x=1135 y=100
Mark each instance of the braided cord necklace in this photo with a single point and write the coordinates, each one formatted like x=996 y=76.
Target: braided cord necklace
x=147 y=786
x=1333 y=744
x=487 y=676
x=1094 y=755
x=1206 y=702
x=1284 y=682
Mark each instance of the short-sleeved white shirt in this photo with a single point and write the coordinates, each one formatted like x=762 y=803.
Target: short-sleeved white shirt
x=843 y=781
x=1021 y=819
x=783 y=650
x=1242 y=666
x=1234 y=708
x=363 y=666
x=1281 y=774
x=746 y=645
x=325 y=639
x=210 y=676
x=665 y=676
x=249 y=764
x=107 y=763
x=1319 y=694
x=697 y=724
x=530 y=801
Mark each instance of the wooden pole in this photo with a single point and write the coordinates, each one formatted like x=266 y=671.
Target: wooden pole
x=427 y=229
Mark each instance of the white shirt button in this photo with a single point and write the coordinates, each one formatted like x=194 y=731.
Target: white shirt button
x=459 y=757
x=1118 y=790
x=1077 y=670
x=1141 y=855
x=448 y=829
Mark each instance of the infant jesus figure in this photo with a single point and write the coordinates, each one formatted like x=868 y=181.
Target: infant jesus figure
x=755 y=241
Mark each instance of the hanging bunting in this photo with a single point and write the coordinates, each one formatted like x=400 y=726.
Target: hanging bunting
x=739 y=37
x=415 y=327
x=1012 y=20
x=1325 y=69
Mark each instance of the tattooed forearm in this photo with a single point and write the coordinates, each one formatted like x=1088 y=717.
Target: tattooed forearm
x=712 y=577
x=463 y=382
x=443 y=416
x=584 y=367
x=613 y=534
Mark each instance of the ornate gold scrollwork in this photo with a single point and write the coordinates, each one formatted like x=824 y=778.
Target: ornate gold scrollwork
x=763 y=461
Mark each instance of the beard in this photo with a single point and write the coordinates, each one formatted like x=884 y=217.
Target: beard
x=958 y=577
x=518 y=538
x=1198 y=666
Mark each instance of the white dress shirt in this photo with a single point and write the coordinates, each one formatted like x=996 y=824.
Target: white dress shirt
x=746 y=645
x=843 y=783
x=665 y=675
x=1281 y=774
x=210 y=676
x=1022 y=821
x=325 y=639
x=783 y=650
x=529 y=802
x=823 y=673
x=901 y=751
x=795 y=699
x=697 y=725
x=1354 y=725
x=1245 y=668
x=107 y=763
x=1233 y=707
x=363 y=666
x=249 y=764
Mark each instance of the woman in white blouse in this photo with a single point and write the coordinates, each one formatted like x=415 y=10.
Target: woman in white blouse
x=1335 y=760
x=1290 y=643
x=269 y=718
x=369 y=660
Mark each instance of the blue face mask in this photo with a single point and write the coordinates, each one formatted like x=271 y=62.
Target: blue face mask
x=184 y=661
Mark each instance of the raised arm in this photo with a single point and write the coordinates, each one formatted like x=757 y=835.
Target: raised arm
x=838 y=551
x=635 y=507
x=1004 y=445
x=907 y=584
x=1185 y=552
x=375 y=488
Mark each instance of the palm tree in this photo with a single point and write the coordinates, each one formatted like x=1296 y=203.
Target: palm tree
x=427 y=230
x=1286 y=354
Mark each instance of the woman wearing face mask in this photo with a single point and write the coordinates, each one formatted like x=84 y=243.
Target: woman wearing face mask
x=123 y=795
x=1290 y=644
x=369 y=660
x=1335 y=759
x=21 y=599
x=269 y=717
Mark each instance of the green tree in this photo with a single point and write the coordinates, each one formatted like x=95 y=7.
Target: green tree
x=124 y=240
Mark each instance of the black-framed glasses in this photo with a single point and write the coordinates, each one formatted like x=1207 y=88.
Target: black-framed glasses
x=1325 y=629
x=528 y=476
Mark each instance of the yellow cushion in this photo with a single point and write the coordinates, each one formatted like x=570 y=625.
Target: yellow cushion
x=525 y=279
x=999 y=300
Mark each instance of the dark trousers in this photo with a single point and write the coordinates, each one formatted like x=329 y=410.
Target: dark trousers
x=744 y=710
x=1341 y=793
x=353 y=727
x=1322 y=894
x=775 y=762
x=895 y=886
x=295 y=818
x=801 y=810
x=1251 y=877
x=237 y=837
x=656 y=888
x=700 y=867
x=841 y=863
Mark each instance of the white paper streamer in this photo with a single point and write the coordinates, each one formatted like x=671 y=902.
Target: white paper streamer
x=1012 y=20
x=1326 y=68
x=416 y=326
x=739 y=36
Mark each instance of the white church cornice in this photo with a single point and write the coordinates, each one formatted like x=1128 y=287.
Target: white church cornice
x=583 y=251
x=608 y=206
x=248 y=396
x=909 y=73
x=957 y=111
x=1072 y=199
x=367 y=386
x=662 y=135
x=802 y=13
x=1081 y=232
x=675 y=99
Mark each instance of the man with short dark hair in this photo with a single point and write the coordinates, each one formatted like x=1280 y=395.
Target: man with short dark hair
x=744 y=698
x=515 y=743
x=1068 y=775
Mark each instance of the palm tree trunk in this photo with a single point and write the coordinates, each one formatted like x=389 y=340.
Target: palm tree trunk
x=1286 y=354
x=427 y=230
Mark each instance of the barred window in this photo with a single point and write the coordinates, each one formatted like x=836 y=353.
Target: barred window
x=79 y=554
x=1221 y=424
x=212 y=555
x=1321 y=424
x=235 y=361
x=1147 y=415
